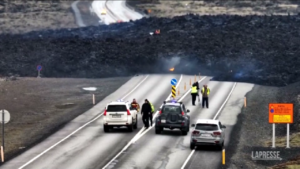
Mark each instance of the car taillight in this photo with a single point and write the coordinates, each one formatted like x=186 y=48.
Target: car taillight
x=182 y=113
x=104 y=114
x=128 y=112
x=217 y=133
x=196 y=132
x=160 y=112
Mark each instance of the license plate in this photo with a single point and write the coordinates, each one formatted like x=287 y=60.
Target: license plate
x=116 y=116
x=163 y=121
x=206 y=135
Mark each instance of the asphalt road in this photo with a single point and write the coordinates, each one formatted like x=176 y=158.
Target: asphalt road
x=122 y=12
x=90 y=148
x=170 y=150
x=115 y=11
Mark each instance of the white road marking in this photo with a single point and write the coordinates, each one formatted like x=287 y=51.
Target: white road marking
x=219 y=111
x=187 y=160
x=97 y=117
x=161 y=107
x=137 y=135
x=221 y=108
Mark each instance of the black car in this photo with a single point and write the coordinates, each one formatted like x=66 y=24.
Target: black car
x=173 y=115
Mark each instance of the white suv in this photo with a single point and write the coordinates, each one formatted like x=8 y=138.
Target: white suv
x=208 y=132
x=119 y=114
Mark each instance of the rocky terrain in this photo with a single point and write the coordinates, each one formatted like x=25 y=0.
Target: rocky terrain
x=258 y=49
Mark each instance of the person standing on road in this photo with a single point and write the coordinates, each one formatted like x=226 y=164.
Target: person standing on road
x=146 y=110
x=135 y=105
x=151 y=114
x=197 y=85
x=194 y=93
x=205 y=92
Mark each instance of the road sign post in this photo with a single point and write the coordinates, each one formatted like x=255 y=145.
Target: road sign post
x=92 y=89
x=281 y=113
x=174 y=92
x=174 y=83
x=39 y=68
x=4 y=118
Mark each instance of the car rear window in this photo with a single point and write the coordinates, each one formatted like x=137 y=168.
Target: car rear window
x=116 y=108
x=171 y=110
x=207 y=127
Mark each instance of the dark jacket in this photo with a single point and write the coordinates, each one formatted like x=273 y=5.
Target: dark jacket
x=146 y=109
x=197 y=85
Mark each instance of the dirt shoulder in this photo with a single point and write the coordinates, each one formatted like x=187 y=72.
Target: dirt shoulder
x=19 y=17
x=162 y=8
x=255 y=133
x=39 y=107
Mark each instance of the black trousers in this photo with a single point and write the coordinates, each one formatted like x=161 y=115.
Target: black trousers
x=194 y=96
x=146 y=120
x=205 y=100
x=150 y=119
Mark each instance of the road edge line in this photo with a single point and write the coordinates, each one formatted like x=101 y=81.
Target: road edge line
x=188 y=159
x=226 y=100
x=221 y=108
x=131 y=141
x=181 y=98
x=65 y=138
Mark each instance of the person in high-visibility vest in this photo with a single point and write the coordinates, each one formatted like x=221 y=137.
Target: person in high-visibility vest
x=197 y=85
x=151 y=114
x=194 y=93
x=205 y=92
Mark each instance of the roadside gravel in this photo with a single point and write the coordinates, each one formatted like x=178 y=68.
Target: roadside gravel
x=39 y=107
x=253 y=129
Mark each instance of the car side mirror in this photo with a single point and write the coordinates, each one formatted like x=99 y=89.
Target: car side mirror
x=223 y=126
x=188 y=110
x=193 y=125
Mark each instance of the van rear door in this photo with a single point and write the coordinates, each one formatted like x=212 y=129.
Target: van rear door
x=117 y=112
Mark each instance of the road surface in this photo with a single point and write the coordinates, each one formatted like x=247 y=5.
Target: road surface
x=83 y=144
x=115 y=11
x=90 y=147
x=171 y=150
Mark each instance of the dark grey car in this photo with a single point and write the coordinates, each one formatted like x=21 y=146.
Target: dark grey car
x=173 y=115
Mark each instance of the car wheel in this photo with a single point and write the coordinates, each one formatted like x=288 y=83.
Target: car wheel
x=157 y=131
x=130 y=127
x=106 y=129
x=192 y=146
x=220 y=146
x=136 y=123
x=184 y=132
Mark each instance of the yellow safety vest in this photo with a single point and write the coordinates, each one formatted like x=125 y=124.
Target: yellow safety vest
x=194 y=89
x=208 y=90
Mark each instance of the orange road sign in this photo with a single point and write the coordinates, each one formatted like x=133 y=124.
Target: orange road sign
x=281 y=113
